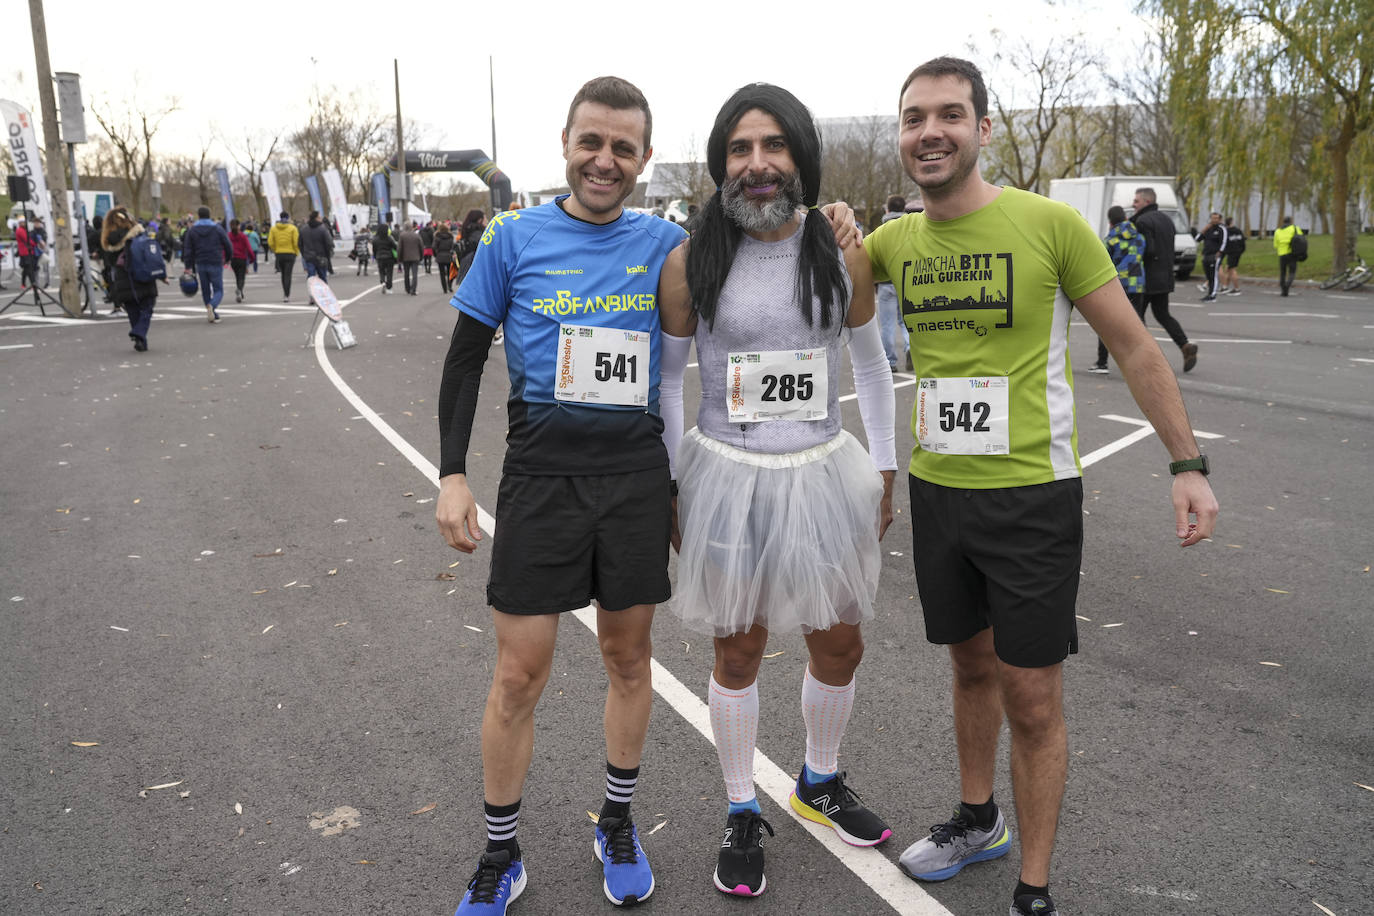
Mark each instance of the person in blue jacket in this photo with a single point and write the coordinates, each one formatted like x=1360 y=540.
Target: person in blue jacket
x=205 y=249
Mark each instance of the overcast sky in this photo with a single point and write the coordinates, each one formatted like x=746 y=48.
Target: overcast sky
x=253 y=68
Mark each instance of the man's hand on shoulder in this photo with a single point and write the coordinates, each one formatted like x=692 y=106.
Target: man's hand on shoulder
x=841 y=218
x=456 y=513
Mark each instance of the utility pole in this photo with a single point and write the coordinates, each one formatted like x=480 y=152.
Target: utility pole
x=59 y=234
x=400 y=145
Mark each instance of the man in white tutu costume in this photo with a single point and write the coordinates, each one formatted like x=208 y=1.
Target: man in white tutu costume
x=780 y=510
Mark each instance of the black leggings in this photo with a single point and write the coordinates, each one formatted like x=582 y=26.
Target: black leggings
x=443 y=276
x=385 y=268
x=240 y=266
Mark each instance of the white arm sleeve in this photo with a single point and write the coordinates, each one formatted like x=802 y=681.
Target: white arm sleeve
x=877 y=400
x=672 y=367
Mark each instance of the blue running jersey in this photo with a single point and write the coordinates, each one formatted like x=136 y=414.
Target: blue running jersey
x=538 y=270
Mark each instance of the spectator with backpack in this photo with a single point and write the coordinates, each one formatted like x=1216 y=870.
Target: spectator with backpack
x=205 y=249
x=138 y=265
x=284 y=239
x=1291 y=244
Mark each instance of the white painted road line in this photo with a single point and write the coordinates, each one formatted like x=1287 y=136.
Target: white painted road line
x=901 y=893
x=1360 y=359
x=1144 y=432
x=16 y=346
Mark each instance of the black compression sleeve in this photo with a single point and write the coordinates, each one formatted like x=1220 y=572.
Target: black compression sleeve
x=467 y=353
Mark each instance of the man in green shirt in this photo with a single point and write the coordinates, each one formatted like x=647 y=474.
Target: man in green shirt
x=987 y=278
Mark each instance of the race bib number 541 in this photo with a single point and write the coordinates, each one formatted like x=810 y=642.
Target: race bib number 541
x=602 y=366
x=964 y=416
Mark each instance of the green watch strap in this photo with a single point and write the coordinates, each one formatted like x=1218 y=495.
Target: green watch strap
x=1191 y=464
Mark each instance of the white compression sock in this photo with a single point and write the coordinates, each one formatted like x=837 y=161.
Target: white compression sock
x=735 y=725
x=825 y=710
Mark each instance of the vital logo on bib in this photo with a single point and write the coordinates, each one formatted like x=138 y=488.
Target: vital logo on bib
x=957 y=283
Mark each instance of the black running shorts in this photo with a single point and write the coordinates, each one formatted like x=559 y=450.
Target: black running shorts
x=1004 y=558
x=563 y=541
x=1232 y=260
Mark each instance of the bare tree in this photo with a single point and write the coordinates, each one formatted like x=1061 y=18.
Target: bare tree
x=131 y=134
x=1045 y=129
x=250 y=156
x=859 y=163
x=196 y=172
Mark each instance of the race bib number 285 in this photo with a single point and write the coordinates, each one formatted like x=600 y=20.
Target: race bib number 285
x=964 y=416
x=602 y=366
x=777 y=385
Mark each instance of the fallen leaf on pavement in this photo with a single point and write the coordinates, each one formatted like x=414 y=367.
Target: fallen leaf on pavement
x=165 y=785
x=656 y=828
x=429 y=807
x=1272 y=664
x=775 y=654
x=85 y=744
x=1277 y=591
x=445 y=577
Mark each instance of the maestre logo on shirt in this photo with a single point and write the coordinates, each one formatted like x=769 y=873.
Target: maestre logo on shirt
x=564 y=303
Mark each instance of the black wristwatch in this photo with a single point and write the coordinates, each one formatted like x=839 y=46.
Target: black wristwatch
x=1191 y=464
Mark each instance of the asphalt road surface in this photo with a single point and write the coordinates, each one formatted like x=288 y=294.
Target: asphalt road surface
x=243 y=674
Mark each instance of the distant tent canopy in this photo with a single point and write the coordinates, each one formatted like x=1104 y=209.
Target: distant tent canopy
x=461 y=160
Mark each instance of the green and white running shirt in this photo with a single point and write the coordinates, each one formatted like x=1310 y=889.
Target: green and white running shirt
x=986 y=299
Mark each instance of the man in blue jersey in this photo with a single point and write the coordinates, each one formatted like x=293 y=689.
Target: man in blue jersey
x=584 y=509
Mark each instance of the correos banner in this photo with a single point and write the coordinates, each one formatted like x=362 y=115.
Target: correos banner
x=22 y=141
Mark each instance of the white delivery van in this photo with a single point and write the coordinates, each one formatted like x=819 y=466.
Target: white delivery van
x=1094 y=196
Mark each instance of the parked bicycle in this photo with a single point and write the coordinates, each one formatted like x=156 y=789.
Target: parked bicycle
x=1353 y=277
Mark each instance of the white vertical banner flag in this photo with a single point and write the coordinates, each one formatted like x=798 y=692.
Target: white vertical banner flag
x=28 y=162
x=338 y=204
x=272 y=191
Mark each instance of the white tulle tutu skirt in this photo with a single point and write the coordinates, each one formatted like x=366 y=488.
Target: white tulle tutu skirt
x=785 y=541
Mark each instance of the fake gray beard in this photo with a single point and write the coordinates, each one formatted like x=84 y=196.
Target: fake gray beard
x=751 y=216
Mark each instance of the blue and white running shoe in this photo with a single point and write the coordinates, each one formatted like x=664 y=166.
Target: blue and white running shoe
x=495 y=884
x=629 y=879
x=952 y=845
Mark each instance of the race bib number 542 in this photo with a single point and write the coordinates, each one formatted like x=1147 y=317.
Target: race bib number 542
x=602 y=366
x=964 y=416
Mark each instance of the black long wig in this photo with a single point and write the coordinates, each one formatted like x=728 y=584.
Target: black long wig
x=821 y=275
